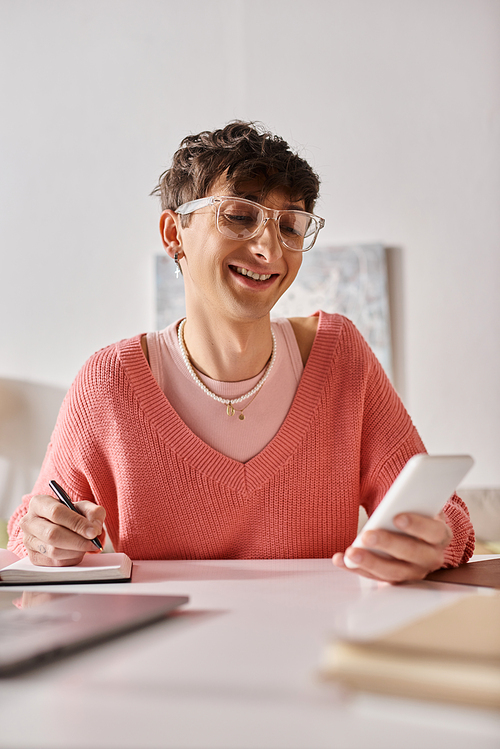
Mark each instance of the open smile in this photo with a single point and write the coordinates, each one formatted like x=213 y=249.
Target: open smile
x=250 y=274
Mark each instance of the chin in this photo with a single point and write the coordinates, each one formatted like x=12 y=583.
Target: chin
x=252 y=312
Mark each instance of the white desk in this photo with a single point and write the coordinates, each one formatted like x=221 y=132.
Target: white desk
x=237 y=669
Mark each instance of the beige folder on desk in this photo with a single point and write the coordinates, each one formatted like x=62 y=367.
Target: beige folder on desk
x=452 y=655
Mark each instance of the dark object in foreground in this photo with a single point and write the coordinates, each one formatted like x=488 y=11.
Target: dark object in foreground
x=484 y=573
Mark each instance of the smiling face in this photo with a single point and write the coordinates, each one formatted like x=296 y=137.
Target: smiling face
x=241 y=280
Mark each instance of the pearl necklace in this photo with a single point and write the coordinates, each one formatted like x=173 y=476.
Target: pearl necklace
x=230 y=410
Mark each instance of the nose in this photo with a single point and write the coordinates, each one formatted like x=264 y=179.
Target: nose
x=266 y=244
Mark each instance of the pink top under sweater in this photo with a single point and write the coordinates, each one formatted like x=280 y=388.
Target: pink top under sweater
x=207 y=418
x=169 y=495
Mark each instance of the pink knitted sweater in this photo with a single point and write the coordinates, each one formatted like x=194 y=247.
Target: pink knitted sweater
x=168 y=495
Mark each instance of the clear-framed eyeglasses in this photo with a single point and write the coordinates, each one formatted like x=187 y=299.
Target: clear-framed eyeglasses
x=239 y=218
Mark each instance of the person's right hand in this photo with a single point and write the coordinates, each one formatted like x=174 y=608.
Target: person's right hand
x=55 y=536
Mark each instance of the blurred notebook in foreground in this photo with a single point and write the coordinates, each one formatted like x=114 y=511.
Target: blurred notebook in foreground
x=452 y=655
x=94 y=568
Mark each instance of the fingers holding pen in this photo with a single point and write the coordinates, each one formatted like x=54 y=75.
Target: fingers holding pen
x=42 y=553
x=54 y=535
x=87 y=525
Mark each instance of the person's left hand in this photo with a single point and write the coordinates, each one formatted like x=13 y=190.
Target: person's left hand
x=412 y=556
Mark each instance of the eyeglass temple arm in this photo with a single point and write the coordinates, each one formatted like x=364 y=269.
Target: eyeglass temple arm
x=193 y=205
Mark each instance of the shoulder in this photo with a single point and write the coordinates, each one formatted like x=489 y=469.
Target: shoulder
x=305 y=329
x=106 y=367
x=330 y=330
x=102 y=389
x=114 y=352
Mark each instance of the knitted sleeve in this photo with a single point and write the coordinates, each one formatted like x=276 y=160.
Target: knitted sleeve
x=68 y=455
x=389 y=440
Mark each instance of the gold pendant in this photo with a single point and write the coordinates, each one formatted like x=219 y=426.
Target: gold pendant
x=241 y=417
x=230 y=410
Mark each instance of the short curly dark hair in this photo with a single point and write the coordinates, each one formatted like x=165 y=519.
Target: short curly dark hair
x=241 y=151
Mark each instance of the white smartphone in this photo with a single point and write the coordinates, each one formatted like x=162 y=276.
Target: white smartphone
x=424 y=486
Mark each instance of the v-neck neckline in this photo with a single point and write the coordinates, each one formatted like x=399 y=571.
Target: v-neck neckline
x=204 y=458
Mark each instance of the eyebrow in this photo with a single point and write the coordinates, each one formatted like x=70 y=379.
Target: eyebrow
x=255 y=199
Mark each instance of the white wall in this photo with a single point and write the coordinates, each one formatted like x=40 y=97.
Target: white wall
x=395 y=102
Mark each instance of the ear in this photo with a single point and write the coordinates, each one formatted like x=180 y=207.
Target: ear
x=170 y=232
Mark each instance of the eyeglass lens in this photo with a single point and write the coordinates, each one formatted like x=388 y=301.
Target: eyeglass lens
x=239 y=219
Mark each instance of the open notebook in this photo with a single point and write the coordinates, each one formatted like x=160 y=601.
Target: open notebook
x=94 y=568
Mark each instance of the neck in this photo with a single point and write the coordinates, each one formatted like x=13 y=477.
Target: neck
x=226 y=350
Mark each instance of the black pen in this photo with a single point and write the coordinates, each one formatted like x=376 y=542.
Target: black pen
x=63 y=497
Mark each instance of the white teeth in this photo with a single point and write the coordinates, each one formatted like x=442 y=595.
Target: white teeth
x=255 y=276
